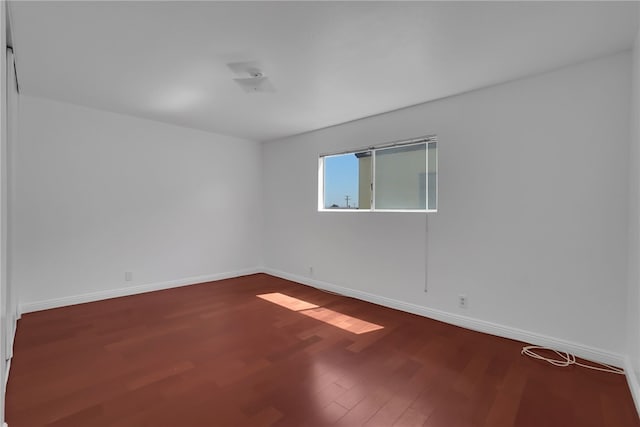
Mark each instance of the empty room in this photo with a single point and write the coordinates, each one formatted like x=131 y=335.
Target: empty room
x=318 y=213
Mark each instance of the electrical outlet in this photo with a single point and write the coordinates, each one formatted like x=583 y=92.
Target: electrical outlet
x=462 y=301
x=310 y=270
x=128 y=276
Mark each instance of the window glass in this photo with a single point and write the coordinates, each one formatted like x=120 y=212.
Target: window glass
x=432 y=161
x=347 y=181
x=400 y=177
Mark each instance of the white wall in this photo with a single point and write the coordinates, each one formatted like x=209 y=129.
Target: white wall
x=532 y=213
x=3 y=143
x=13 y=98
x=633 y=314
x=96 y=194
x=9 y=303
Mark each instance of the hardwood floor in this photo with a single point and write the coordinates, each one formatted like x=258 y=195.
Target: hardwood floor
x=261 y=351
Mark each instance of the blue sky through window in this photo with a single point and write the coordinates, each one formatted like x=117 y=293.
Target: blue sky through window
x=340 y=180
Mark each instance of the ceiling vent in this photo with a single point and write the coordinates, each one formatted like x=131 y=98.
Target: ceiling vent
x=250 y=77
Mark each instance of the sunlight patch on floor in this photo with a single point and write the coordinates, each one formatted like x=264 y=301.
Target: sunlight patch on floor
x=326 y=315
x=286 y=301
x=342 y=321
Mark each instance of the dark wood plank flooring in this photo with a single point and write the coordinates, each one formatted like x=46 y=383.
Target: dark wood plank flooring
x=215 y=354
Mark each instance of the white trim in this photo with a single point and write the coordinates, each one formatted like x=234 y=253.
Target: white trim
x=428 y=139
x=6 y=376
x=320 y=183
x=8 y=362
x=372 y=181
x=586 y=352
x=12 y=337
x=580 y=350
x=632 y=381
x=133 y=290
x=377 y=210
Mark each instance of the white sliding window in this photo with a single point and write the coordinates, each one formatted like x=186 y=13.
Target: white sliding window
x=400 y=176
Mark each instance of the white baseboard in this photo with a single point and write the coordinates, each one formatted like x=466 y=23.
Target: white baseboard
x=586 y=352
x=632 y=381
x=6 y=376
x=12 y=336
x=8 y=364
x=580 y=350
x=4 y=386
x=133 y=290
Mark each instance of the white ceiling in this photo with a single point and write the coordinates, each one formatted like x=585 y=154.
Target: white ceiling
x=329 y=62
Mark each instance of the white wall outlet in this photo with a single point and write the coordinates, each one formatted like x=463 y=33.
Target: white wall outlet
x=128 y=276
x=462 y=301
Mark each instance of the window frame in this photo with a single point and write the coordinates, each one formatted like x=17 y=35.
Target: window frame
x=426 y=140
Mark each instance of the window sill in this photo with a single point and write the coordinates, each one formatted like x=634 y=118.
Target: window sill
x=381 y=210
